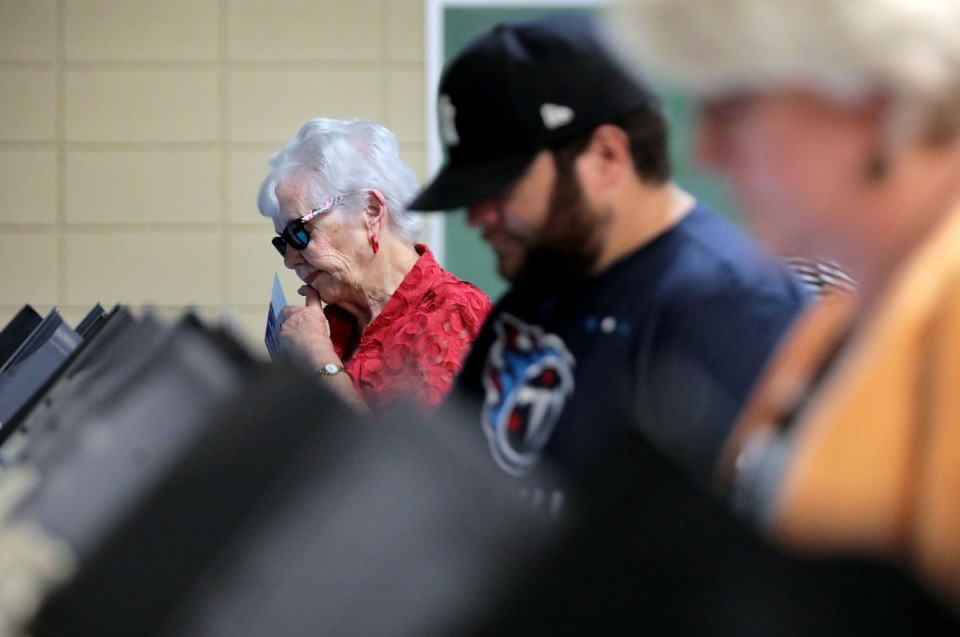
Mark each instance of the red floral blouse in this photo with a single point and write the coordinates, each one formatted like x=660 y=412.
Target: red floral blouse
x=416 y=345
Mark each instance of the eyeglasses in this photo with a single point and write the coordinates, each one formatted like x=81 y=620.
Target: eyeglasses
x=295 y=234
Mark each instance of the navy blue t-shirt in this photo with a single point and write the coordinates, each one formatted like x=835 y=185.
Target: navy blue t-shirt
x=668 y=341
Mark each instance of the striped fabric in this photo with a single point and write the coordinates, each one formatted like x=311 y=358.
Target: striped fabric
x=820 y=276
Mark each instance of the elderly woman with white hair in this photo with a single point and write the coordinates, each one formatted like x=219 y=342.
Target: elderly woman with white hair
x=837 y=123
x=382 y=319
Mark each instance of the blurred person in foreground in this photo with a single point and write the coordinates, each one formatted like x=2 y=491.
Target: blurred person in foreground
x=632 y=306
x=382 y=319
x=838 y=125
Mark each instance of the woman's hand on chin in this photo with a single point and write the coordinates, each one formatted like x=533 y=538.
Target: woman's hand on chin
x=304 y=331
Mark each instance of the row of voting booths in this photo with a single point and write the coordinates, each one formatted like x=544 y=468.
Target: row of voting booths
x=158 y=478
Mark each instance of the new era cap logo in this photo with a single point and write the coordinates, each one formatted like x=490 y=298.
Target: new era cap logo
x=554 y=116
x=446 y=117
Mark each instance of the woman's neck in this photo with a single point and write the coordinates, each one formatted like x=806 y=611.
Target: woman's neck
x=383 y=275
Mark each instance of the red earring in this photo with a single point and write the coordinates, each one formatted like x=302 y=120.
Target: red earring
x=373 y=242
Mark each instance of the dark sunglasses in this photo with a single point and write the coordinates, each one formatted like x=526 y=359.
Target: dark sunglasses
x=295 y=233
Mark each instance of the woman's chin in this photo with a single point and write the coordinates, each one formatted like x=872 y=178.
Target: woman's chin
x=326 y=294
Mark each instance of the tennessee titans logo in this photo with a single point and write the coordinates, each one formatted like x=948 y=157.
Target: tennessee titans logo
x=528 y=377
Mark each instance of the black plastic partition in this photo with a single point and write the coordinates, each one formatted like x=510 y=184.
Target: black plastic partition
x=172 y=484
x=16 y=331
x=36 y=359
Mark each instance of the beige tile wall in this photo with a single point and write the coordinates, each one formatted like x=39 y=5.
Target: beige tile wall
x=134 y=135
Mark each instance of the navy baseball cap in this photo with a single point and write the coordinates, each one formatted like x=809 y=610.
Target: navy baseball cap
x=516 y=90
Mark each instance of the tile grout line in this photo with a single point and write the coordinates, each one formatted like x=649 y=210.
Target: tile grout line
x=60 y=128
x=223 y=53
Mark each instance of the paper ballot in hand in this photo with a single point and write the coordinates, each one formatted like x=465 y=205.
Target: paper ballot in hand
x=277 y=301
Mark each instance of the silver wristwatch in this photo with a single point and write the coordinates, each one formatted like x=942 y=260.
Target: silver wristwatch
x=330 y=369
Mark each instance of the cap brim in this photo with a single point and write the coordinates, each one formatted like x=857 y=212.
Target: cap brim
x=455 y=187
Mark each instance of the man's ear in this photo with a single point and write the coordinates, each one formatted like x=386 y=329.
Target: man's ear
x=607 y=156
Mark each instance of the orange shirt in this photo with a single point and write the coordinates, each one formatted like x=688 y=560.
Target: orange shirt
x=873 y=462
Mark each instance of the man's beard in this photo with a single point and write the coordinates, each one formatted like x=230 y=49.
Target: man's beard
x=570 y=243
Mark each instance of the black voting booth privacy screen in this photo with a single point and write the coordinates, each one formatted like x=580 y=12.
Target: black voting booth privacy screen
x=35 y=359
x=33 y=352
x=16 y=331
x=44 y=399
x=92 y=321
x=201 y=491
x=187 y=477
x=383 y=528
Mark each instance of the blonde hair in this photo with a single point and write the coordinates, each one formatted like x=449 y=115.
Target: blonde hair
x=905 y=50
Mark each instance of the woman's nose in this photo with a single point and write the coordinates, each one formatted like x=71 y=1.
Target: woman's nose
x=292 y=258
